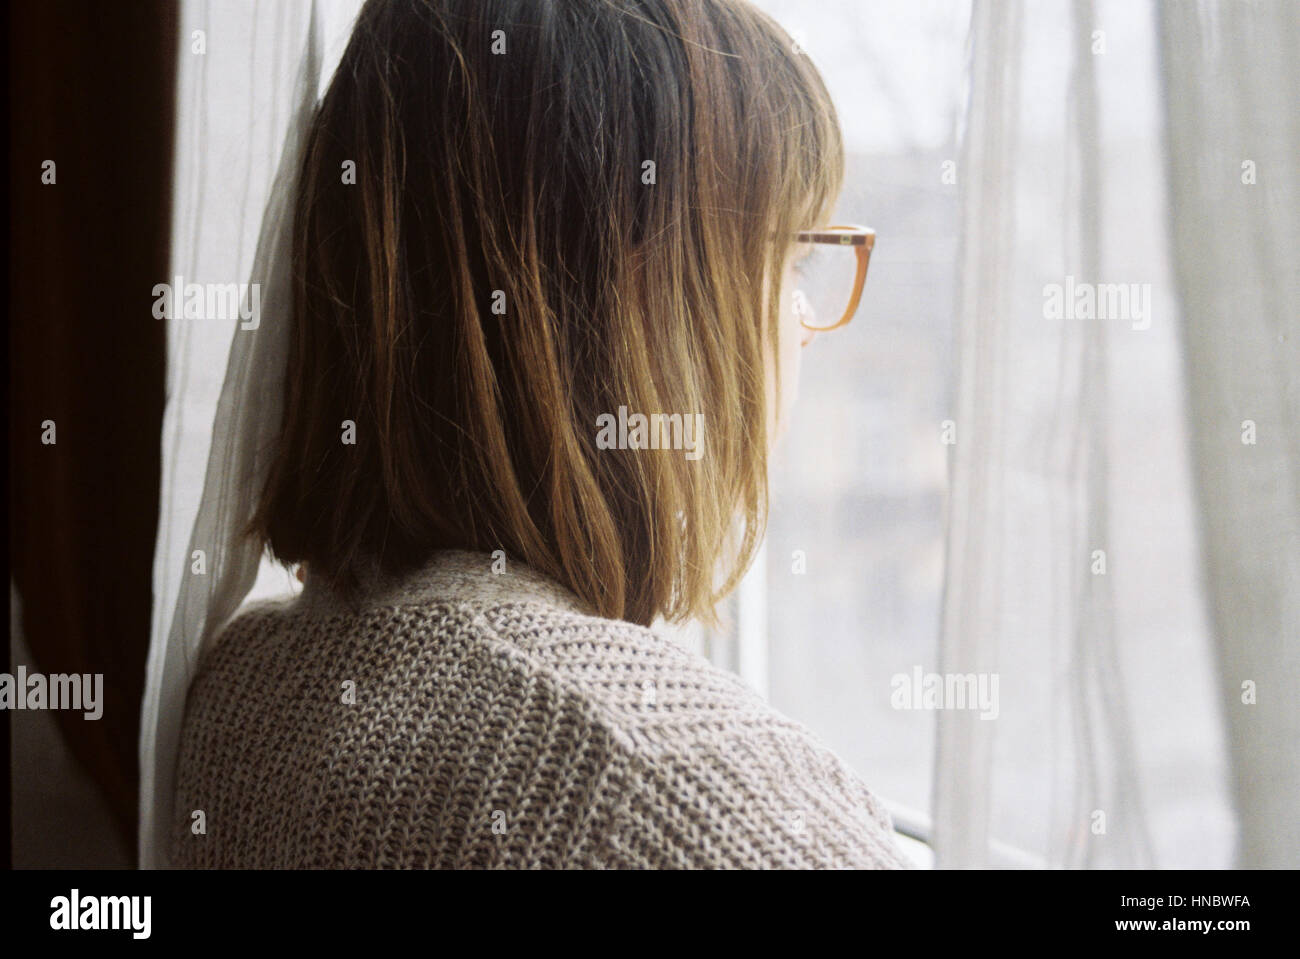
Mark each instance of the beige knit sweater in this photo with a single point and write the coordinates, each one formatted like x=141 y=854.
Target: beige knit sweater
x=463 y=718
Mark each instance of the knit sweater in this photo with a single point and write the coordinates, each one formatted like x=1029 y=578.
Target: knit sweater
x=461 y=718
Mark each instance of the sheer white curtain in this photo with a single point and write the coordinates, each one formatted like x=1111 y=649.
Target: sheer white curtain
x=1072 y=557
x=1232 y=86
x=249 y=76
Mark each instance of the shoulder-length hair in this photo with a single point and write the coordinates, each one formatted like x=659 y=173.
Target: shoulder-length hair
x=512 y=219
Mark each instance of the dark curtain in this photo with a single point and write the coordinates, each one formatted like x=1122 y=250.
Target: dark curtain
x=92 y=88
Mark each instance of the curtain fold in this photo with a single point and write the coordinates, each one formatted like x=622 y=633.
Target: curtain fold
x=1232 y=82
x=1044 y=593
x=219 y=565
x=971 y=618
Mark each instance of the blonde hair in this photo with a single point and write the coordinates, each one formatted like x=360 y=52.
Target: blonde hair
x=518 y=161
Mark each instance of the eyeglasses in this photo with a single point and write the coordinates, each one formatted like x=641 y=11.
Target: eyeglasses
x=831 y=277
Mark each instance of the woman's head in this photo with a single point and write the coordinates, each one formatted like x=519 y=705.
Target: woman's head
x=515 y=222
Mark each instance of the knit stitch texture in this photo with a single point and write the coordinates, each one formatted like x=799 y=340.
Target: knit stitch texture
x=466 y=719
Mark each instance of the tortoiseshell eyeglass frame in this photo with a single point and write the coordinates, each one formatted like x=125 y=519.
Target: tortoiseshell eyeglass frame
x=863 y=240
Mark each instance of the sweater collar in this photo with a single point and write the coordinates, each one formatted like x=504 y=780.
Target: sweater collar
x=450 y=576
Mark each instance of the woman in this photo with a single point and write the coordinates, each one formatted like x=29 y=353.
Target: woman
x=515 y=223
